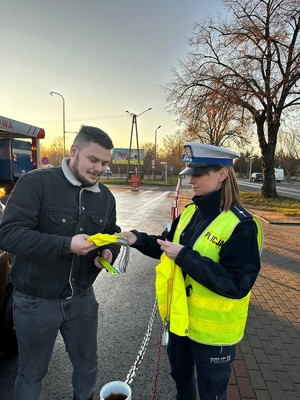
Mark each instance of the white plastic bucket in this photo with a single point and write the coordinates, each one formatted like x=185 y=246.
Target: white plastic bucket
x=115 y=388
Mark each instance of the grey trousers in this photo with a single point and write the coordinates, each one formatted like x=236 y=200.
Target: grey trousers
x=37 y=323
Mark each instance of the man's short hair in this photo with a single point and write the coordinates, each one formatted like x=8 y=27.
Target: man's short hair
x=91 y=134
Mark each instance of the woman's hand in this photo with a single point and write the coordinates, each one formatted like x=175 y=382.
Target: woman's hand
x=130 y=236
x=171 y=249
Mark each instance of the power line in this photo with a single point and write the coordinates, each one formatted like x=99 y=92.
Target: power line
x=83 y=118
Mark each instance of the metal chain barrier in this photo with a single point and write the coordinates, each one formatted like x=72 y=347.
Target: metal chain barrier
x=157 y=363
x=143 y=348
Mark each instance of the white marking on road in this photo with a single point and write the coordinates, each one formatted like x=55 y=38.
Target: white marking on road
x=157 y=198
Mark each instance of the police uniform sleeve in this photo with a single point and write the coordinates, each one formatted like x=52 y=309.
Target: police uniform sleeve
x=147 y=244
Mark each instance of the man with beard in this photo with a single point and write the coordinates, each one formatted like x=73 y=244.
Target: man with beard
x=48 y=217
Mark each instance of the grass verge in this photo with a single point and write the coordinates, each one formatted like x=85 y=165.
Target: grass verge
x=283 y=204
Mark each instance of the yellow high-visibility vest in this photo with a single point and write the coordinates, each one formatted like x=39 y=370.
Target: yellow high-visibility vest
x=204 y=316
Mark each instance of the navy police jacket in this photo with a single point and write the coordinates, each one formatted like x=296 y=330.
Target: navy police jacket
x=235 y=273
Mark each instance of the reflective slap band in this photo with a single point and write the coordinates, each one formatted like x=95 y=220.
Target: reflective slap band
x=112 y=270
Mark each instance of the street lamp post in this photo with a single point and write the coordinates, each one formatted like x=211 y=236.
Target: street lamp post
x=154 y=161
x=166 y=164
x=249 y=169
x=64 y=121
x=134 y=123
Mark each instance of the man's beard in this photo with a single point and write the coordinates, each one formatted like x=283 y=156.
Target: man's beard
x=78 y=175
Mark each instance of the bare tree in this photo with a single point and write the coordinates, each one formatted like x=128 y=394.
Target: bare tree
x=251 y=61
x=148 y=157
x=288 y=148
x=210 y=119
x=172 y=150
x=289 y=138
x=54 y=151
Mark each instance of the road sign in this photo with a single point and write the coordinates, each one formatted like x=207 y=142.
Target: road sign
x=135 y=182
x=44 y=160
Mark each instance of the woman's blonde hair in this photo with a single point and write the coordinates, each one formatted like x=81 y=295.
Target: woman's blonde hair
x=230 y=194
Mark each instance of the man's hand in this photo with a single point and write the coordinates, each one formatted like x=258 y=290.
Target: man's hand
x=130 y=236
x=107 y=255
x=80 y=246
x=171 y=249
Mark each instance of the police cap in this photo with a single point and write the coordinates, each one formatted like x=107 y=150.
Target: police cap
x=201 y=158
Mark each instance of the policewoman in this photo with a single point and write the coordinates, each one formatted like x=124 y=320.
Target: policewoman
x=210 y=260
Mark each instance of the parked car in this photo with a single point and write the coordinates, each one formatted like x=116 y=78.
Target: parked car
x=8 y=341
x=279 y=174
x=108 y=171
x=256 y=177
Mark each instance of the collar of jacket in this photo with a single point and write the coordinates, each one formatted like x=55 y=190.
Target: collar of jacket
x=74 y=181
x=208 y=203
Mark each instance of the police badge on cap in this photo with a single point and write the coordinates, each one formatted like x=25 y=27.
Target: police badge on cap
x=202 y=157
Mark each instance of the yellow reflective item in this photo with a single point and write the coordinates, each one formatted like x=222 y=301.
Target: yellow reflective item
x=101 y=239
x=109 y=268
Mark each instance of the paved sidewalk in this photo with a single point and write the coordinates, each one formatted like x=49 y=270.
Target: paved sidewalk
x=267 y=366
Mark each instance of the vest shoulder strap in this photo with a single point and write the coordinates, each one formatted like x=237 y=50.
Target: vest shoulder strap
x=190 y=204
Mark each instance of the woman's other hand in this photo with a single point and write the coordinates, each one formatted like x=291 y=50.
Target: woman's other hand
x=171 y=249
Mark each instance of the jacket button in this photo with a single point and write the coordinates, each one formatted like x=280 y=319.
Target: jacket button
x=63 y=220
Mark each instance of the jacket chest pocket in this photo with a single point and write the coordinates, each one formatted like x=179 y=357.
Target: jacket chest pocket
x=63 y=222
x=97 y=223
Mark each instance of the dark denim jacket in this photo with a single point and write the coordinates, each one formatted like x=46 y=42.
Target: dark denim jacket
x=42 y=214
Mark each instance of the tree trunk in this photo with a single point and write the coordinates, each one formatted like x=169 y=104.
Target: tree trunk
x=268 y=189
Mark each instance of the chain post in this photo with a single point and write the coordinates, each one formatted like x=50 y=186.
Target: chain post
x=154 y=391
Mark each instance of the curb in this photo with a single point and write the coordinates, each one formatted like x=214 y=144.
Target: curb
x=275 y=222
x=272 y=222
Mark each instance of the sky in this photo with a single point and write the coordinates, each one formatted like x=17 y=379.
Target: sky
x=103 y=56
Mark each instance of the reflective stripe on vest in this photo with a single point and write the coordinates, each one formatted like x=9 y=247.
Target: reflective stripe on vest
x=214 y=319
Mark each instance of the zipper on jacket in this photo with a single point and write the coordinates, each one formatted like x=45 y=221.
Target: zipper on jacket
x=74 y=255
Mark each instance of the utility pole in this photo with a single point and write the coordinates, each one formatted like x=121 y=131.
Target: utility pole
x=134 y=124
x=154 y=161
